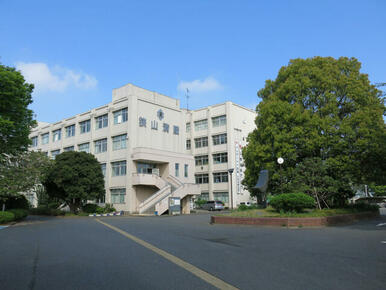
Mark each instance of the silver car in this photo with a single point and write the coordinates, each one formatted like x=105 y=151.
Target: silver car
x=213 y=205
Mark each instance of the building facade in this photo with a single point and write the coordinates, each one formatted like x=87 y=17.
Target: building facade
x=141 y=140
x=215 y=137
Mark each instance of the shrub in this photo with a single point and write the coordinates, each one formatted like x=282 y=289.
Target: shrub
x=90 y=208
x=44 y=210
x=19 y=213
x=109 y=208
x=17 y=202
x=200 y=202
x=292 y=202
x=6 y=217
x=361 y=206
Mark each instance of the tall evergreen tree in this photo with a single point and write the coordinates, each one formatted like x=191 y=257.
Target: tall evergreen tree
x=322 y=108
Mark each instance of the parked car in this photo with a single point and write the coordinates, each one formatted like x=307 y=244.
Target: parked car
x=246 y=203
x=213 y=205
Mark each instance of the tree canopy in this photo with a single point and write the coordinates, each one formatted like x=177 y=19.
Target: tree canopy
x=322 y=114
x=75 y=178
x=21 y=173
x=16 y=120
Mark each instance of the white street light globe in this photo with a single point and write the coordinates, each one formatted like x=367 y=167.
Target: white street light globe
x=280 y=160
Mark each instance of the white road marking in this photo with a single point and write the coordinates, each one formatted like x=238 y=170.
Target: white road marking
x=381 y=225
x=383 y=242
x=3 y=227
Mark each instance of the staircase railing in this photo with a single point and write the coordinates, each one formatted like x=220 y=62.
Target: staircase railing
x=153 y=199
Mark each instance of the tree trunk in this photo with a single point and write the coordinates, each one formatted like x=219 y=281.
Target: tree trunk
x=3 y=207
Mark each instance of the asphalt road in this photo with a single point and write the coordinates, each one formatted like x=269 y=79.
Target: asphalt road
x=81 y=253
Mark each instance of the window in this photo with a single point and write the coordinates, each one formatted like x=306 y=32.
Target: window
x=70 y=131
x=119 y=142
x=101 y=121
x=85 y=126
x=219 y=177
x=201 y=142
x=34 y=141
x=70 y=148
x=118 y=168
x=176 y=130
x=220 y=158
x=201 y=125
x=85 y=147
x=221 y=196
x=219 y=139
x=188 y=144
x=204 y=196
x=187 y=127
x=177 y=169
x=54 y=153
x=103 y=167
x=202 y=178
x=146 y=168
x=154 y=125
x=118 y=195
x=166 y=128
x=219 y=121
x=45 y=138
x=120 y=116
x=201 y=160
x=100 y=146
x=142 y=122
x=56 y=135
x=186 y=169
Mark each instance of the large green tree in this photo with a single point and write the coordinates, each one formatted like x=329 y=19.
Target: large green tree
x=21 y=172
x=322 y=108
x=75 y=178
x=16 y=120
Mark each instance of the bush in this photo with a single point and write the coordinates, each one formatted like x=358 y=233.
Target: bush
x=109 y=208
x=94 y=208
x=200 y=202
x=19 y=213
x=6 y=217
x=19 y=202
x=361 y=206
x=90 y=208
x=296 y=202
x=44 y=210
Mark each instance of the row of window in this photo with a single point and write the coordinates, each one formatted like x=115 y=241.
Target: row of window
x=218 y=177
x=203 y=124
x=100 y=146
x=217 y=159
x=120 y=116
x=203 y=141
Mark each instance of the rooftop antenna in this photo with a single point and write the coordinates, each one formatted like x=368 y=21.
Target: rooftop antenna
x=187 y=99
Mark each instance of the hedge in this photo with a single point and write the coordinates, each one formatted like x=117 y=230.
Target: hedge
x=296 y=202
x=12 y=215
x=44 y=210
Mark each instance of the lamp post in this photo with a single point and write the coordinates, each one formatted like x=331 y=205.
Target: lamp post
x=230 y=170
x=280 y=161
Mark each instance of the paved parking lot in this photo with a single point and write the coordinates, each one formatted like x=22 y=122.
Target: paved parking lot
x=183 y=252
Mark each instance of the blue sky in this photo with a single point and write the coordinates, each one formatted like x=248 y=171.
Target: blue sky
x=76 y=52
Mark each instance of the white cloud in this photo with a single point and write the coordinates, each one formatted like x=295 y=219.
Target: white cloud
x=55 y=79
x=200 y=86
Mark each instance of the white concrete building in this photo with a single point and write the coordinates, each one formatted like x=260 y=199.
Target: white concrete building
x=141 y=140
x=215 y=136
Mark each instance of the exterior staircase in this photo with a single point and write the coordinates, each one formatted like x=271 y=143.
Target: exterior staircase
x=173 y=187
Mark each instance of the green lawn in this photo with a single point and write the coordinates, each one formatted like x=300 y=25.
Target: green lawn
x=269 y=212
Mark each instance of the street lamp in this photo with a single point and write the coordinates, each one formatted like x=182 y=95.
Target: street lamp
x=280 y=161
x=230 y=170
